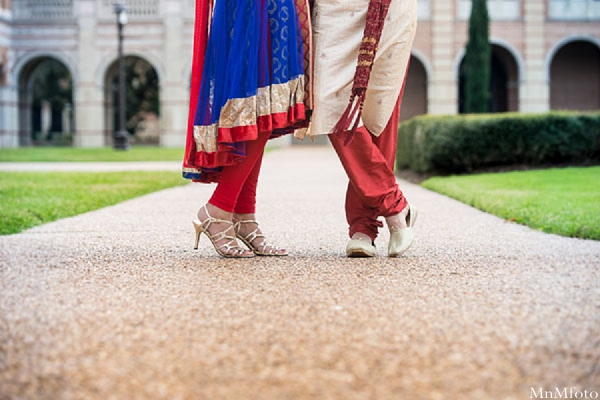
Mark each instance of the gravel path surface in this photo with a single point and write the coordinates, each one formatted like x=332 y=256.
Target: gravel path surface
x=115 y=304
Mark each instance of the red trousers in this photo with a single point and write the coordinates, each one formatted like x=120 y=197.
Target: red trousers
x=236 y=190
x=369 y=163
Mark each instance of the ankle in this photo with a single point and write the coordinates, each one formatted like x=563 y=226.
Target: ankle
x=361 y=236
x=397 y=221
x=244 y=217
x=215 y=212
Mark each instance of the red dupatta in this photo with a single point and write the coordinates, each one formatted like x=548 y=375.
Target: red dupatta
x=201 y=28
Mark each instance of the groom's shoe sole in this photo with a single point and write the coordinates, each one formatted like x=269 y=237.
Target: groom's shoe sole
x=360 y=248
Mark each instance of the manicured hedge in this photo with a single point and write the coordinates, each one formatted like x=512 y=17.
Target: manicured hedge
x=464 y=143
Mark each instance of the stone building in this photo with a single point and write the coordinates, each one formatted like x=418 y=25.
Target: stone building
x=545 y=56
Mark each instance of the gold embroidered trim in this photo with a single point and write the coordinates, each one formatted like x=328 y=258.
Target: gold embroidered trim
x=272 y=99
x=369 y=40
x=190 y=170
x=206 y=138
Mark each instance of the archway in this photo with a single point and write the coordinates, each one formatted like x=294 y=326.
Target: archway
x=45 y=103
x=415 y=98
x=142 y=101
x=504 y=82
x=575 y=77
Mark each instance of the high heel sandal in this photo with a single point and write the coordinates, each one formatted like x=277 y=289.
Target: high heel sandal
x=261 y=249
x=402 y=238
x=232 y=249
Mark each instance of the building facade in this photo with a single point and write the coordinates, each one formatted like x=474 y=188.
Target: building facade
x=545 y=56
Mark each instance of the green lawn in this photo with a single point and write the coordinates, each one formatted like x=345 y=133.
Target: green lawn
x=30 y=199
x=565 y=201
x=141 y=153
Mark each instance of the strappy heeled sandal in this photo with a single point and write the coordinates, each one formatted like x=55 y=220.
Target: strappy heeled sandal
x=229 y=249
x=262 y=249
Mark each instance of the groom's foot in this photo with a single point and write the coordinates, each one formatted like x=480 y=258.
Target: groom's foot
x=360 y=245
x=398 y=221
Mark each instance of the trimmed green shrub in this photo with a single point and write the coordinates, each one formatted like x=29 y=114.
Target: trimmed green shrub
x=464 y=143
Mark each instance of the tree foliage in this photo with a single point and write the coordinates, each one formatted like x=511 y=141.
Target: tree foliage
x=478 y=60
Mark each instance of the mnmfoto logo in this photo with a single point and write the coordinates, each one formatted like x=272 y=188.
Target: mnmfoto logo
x=564 y=393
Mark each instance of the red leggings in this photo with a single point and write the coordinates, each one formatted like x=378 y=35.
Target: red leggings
x=369 y=163
x=236 y=190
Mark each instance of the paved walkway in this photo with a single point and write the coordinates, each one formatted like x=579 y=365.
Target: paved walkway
x=115 y=304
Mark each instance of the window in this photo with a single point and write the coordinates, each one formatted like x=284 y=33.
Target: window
x=574 y=10
x=43 y=10
x=499 y=10
x=135 y=8
x=424 y=8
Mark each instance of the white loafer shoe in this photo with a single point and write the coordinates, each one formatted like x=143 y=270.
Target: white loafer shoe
x=402 y=238
x=360 y=248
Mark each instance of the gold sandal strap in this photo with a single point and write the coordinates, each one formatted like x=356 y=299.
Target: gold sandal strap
x=250 y=237
x=264 y=246
x=219 y=236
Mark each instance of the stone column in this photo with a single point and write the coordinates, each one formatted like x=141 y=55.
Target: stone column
x=88 y=96
x=173 y=92
x=9 y=110
x=9 y=117
x=443 y=87
x=535 y=90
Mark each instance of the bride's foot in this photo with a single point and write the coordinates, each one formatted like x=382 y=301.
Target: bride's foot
x=248 y=231
x=216 y=224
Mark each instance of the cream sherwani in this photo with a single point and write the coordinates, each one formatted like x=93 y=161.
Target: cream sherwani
x=338 y=27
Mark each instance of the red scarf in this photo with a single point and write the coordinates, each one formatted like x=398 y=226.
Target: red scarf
x=376 y=14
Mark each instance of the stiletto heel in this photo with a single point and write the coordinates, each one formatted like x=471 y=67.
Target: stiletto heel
x=263 y=249
x=229 y=249
x=198 y=228
x=402 y=238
